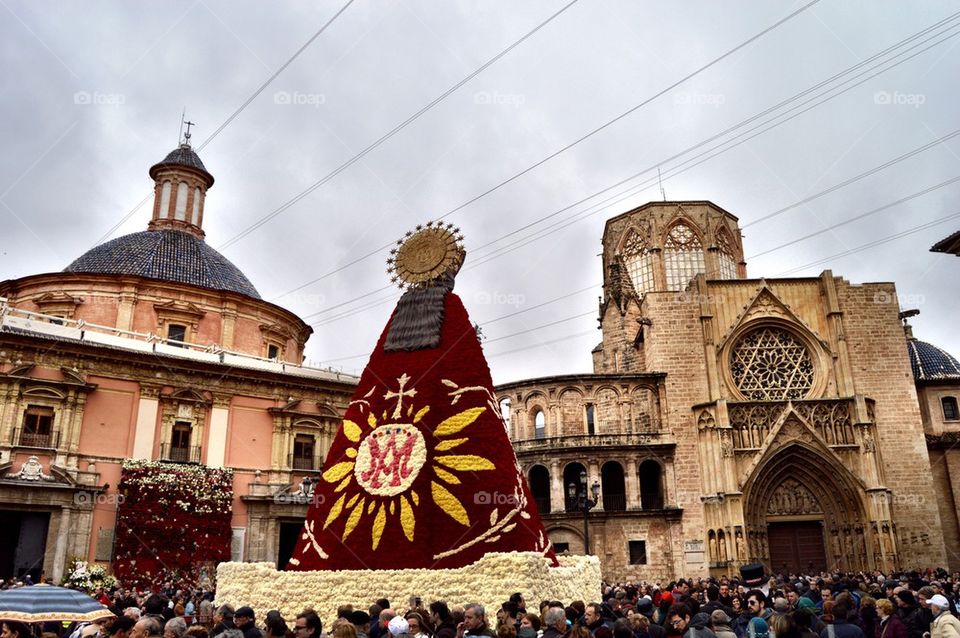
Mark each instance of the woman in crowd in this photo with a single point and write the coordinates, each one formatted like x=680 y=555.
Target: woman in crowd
x=889 y=625
x=14 y=629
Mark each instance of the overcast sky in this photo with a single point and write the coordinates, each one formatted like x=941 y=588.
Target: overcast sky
x=93 y=93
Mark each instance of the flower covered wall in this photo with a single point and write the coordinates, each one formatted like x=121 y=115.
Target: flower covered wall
x=173 y=523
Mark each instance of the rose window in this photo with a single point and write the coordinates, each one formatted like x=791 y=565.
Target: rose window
x=770 y=364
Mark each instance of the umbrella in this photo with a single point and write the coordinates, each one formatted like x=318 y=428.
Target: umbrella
x=43 y=603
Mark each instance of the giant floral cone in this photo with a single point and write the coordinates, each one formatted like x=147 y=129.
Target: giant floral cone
x=421 y=473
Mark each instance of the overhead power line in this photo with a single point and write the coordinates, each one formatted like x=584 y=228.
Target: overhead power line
x=237 y=112
x=866 y=75
x=383 y=138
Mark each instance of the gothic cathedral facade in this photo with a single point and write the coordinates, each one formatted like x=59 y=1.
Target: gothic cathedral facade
x=732 y=420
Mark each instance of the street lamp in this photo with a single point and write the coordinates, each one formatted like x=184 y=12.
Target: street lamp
x=584 y=504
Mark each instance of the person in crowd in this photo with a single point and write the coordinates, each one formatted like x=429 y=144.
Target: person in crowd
x=345 y=630
x=945 y=624
x=307 y=625
x=197 y=630
x=147 y=627
x=361 y=622
x=223 y=620
x=474 y=622
x=756 y=607
x=14 y=629
x=911 y=614
x=757 y=628
x=275 y=625
x=245 y=620
x=720 y=624
x=417 y=625
x=175 y=628
x=121 y=627
x=442 y=620
x=889 y=624
x=593 y=621
x=554 y=623
x=840 y=627
x=804 y=618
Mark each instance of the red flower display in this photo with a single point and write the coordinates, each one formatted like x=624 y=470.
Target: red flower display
x=173 y=523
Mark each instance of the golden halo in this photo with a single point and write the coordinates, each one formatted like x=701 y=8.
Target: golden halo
x=426 y=254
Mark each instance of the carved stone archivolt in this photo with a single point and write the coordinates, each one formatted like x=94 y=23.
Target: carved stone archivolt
x=793 y=498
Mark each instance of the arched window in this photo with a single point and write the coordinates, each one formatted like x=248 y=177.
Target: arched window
x=613 y=486
x=638 y=258
x=195 y=216
x=181 y=207
x=505 y=412
x=727 y=255
x=683 y=256
x=950 y=412
x=651 y=486
x=539 y=425
x=571 y=474
x=165 y=200
x=540 y=488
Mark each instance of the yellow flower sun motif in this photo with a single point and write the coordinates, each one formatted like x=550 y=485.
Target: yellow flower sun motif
x=387 y=458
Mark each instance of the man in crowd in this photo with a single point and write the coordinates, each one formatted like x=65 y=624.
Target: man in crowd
x=593 y=621
x=756 y=607
x=245 y=621
x=307 y=625
x=474 y=622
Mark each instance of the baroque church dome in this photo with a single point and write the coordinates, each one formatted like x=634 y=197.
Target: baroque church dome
x=168 y=255
x=172 y=248
x=931 y=363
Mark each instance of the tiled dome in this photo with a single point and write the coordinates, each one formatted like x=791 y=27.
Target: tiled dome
x=930 y=363
x=168 y=255
x=183 y=155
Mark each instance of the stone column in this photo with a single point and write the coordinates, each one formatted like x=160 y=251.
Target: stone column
x=143 y=437
x=217 y=445
x=633 y=484
x=557 y=499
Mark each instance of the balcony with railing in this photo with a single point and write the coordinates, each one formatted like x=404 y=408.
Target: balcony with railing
x=305 y=463
x=44 y=440
x=614 y=502
x=579 y=442
x=179 y=454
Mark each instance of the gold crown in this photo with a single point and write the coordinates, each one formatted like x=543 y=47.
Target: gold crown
x=425 y=254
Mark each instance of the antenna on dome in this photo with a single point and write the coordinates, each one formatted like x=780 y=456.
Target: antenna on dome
x=183 y=116
x=660 y=181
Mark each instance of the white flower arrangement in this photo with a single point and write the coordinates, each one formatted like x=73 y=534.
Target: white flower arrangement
x=490 y=581
x=82 y=575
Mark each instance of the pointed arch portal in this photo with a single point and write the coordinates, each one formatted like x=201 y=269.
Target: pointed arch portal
x=804 y=511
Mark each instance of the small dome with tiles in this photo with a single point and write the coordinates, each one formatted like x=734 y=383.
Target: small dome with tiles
x=931 y=363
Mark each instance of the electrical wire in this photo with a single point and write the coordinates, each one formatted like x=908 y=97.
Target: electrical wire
x=237 y=112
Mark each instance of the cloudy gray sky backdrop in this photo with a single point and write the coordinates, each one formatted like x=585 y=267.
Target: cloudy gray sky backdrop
x=92 y=96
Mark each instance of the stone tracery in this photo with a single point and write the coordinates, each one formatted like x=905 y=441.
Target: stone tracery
x=770 y=364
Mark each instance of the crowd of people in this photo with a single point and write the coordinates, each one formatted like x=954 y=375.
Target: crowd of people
x=910 y=605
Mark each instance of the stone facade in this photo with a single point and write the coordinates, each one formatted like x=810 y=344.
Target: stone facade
x=786 y=419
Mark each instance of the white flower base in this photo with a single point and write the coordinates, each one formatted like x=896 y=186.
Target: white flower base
x=489 y=581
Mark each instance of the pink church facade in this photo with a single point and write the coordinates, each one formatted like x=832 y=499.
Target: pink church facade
x=153 y=346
